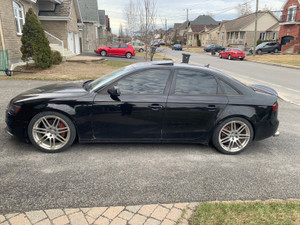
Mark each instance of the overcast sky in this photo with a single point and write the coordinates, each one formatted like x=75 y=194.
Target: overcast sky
x=175 y=10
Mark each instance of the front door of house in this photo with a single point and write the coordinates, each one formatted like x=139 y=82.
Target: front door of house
x=71 y=42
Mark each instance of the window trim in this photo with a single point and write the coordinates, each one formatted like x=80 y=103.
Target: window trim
x=292 y=10
x=19 y=8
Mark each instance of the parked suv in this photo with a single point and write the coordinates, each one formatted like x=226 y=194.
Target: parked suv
x=266 y=47
x=138 y=46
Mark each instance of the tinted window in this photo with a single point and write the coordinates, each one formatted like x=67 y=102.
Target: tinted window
x=123 y=46
x=195 y=83
x=148 y=82
x=237 y=49
x=228 y=89
x=114 y=46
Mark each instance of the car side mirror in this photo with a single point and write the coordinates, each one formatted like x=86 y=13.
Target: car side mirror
x=114 y=91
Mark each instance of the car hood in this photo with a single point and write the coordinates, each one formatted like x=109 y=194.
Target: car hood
x=57 y=90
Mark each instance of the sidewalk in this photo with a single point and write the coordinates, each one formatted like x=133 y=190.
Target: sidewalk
x=155 y=214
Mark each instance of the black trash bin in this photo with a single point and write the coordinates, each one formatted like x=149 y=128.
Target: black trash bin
x=213 y=51
x=185 y=58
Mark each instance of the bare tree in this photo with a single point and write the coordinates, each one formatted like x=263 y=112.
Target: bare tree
x=121 y=33
x=131 y=18
x=243 y=9
x=141 y=19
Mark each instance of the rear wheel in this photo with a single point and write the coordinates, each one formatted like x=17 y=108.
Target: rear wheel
x=241 y=59
x=259 y=52
x=276 y=50
x=232 y=136
x=51 y=132
x=103 y=53
x=141 y=50
x=229 y=57
x=220 y=56
x=128 y=55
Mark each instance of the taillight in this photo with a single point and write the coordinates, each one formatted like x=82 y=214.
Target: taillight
x=275 y=107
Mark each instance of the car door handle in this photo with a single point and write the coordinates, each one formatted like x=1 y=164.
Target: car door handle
x=155 y=106
x=211 y=108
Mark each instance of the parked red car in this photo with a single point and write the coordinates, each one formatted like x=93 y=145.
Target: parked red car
x=232 y=53
x=120 y=49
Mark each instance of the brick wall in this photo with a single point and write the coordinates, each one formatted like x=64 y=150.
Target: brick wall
x=290 y=29
x=58 y=29
x=11 y=39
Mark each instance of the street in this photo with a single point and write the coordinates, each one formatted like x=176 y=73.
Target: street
x=89 y=175
x=284 y=80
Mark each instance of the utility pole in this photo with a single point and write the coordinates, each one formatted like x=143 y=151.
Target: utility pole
x=255 y=29
x=187 y=14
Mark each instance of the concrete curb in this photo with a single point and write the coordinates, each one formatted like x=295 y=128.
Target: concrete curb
x=155 y=214
x=274 y=64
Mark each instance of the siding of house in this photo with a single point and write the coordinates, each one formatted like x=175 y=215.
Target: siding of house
x=12 y=40
x=290 y=29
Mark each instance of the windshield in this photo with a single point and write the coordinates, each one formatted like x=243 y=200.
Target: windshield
x=261 y=44
x=108 y=77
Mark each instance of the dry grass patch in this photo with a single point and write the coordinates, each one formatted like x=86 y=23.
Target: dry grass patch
x=234 y=213
x=289 y=60
x=68 y=71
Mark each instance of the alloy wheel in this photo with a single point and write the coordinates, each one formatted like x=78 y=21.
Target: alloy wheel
x=51 y=132
x=234 y=136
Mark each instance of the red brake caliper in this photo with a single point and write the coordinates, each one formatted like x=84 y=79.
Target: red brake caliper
x=61 y=125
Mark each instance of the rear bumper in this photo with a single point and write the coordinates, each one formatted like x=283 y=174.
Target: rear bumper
x=267 y=129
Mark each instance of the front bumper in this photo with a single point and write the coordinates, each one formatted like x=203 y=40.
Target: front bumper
x=15 y=127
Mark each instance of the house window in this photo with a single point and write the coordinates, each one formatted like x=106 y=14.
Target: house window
x=19 y=16
x=236 y=35
x=274 y=36
x=242 y=34
x=262 y=36
x=222 y=36
x=291 y=13
x=96 y=32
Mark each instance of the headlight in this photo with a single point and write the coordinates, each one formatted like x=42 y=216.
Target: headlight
x=13 y=109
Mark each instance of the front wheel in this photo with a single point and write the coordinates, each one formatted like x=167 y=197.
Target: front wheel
x=232 y=136
x=276 y=50
x=141 y=50
x=128 y=55
x=51 y=132
x=103 y=53
x=259 y=52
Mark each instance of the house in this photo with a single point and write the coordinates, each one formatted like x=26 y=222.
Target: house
x=91 y=25
x=198 y=35
x=59 y=18
x=289 y=33
x=104 y=33
x=188 y=32
x=240 y=32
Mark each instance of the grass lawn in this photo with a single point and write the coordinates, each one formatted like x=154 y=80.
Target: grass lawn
x=236 y=213
x=156 y=56
x=68 y=71
x=289 y=60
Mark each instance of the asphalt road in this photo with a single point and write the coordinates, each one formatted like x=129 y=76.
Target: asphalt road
x=133 y=174
x=285 y=81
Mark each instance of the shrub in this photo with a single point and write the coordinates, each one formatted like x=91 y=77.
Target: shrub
x=35 y=43
x=57 y=58
x=198 y=43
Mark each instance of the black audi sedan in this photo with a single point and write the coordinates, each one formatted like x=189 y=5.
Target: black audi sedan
x=146 y=102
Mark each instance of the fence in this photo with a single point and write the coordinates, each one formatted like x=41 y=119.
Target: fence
x=4 y=60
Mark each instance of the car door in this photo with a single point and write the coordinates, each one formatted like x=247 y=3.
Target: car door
x=193 y=106
x=123 y=49
x=138 y=112
x=114 y=49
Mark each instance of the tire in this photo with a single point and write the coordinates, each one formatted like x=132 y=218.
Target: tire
x=229 y=57
x=51 y=132
x=220 y=56
x=233 y=135
x=141 y=50
x=103 y=53
x=259 y=52
x=276 y=50
x=128 y=55
x=241 y=59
